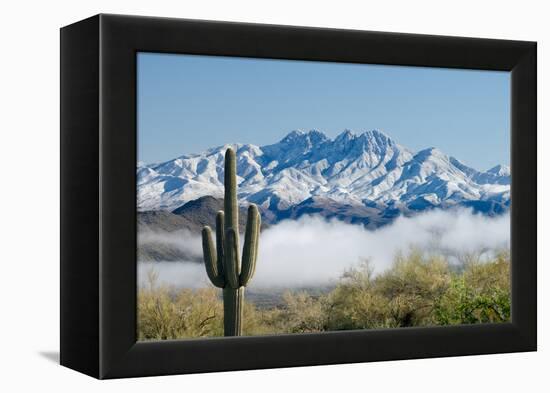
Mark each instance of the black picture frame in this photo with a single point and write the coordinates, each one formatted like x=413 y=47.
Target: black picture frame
x=98 y=195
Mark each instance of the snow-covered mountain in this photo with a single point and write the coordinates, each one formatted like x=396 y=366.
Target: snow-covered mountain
x=366 y=170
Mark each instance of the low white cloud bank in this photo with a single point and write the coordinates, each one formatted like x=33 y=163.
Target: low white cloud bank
x=179 y=274
x=313 y=251
x=182 y=240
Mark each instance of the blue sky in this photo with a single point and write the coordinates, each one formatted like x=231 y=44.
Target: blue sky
x=188 y=103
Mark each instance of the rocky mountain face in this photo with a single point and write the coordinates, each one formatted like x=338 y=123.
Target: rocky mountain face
x=366 y=178
x=186 y=220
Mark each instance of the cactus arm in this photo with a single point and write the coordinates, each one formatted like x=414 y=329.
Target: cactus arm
x=220 y=235
x=210 y=258
x=259 y=226
x=231 y=254
x=250 y=246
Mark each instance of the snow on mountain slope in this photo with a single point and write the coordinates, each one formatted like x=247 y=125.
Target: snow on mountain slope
x=349 y=169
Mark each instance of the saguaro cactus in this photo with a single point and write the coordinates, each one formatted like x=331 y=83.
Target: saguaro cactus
x=223 y=265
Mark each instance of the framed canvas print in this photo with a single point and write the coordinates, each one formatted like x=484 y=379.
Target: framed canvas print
x=296 y=196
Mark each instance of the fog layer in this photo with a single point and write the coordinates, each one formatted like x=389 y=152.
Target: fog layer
x=313 y=251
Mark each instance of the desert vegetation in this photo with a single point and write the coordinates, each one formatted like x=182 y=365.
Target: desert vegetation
x=417 y=290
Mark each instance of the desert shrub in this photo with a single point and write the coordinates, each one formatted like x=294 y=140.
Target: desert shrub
x=402 y=296
x=485 y=276
x=481 y=294
x=412 y=287
x=302 y=313
x=164 y=313
x=299 y=312
x=354 y=303
x=259 y=322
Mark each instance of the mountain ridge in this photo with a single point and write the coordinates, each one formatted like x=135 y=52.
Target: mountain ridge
x=350 y=169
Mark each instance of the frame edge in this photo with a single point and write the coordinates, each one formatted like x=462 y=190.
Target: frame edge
x=79 y=147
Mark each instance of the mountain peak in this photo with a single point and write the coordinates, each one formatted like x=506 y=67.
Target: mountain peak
x=312 y=135
x=376 y=133
x=292 y=135
x=345 y=136
x=316 y=134
x=500 y=170
x=428 y=153
x=377 y=137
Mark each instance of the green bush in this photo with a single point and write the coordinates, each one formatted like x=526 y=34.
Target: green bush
x=481 y=294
